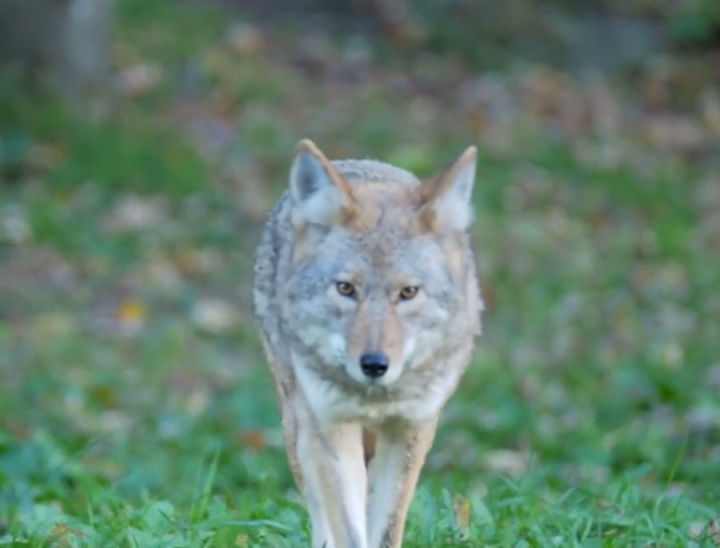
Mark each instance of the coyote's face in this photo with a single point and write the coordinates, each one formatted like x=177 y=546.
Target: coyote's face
x=380 y=268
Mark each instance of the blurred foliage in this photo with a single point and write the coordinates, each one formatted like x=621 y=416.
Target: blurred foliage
x=695 y=22
x=686 y=21
x=135 y=407
x=605 y=33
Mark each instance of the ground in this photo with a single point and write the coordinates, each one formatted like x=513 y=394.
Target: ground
x=135 y=406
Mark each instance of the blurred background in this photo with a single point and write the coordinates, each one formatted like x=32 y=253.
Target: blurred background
x=142 y=144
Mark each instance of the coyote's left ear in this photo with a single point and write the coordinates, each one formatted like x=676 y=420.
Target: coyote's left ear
x=319 y=193
x=446 y=198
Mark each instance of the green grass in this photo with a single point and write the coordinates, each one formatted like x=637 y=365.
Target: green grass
x=135 y=407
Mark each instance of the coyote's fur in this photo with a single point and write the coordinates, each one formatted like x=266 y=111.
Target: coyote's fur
x=368 y=304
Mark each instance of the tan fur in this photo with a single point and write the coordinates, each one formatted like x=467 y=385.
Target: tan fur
x=356 y=444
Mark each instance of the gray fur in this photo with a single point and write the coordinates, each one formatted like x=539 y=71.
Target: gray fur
x=313 y=335
x=279 y=312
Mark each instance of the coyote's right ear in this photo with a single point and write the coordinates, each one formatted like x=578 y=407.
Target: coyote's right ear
x=446 y=199
x=320 y=195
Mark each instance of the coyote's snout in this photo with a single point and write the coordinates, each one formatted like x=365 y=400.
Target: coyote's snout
x=368 y=305
x=377 y=339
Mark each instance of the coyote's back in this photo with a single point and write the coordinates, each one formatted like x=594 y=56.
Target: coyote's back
x=366 y=296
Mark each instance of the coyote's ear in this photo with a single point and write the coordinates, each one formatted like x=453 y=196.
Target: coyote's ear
x=319 y=193
x=446 y=198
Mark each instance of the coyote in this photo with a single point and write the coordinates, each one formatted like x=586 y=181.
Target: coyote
x=367 y=301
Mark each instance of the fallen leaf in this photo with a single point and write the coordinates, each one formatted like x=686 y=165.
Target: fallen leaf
x=674 y=133
x=710 y=107
x=253 y=439
x=52 y=324
x=193 y=261
x=476 y=120
x=245 y=39
x=461 y=507
x=706 y=531
x=504 y=461
x=214 y=316
x=114 y=421
x=139 y=80
x=131 y=314
x=134 y=214
x=45 y=156
x=62 y=535
x=14 y=225
x=197 y=402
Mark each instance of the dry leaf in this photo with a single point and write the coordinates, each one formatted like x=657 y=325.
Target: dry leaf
x=197 y=402
x=253 y=439
x=710 y=105
x=45 y=156
x=62 y=535
x=674 y=133
x=705 y=531
x=14 y=226
x=139 y=80
x=214 y=316
x=134 y=214
x=114 y=421
x=461 y=507
x=245 y=39
x=131 y=314
x=476 y=120
x=509 y=462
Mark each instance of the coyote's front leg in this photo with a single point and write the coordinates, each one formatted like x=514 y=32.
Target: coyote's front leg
x=400 y=452
x=331 y=460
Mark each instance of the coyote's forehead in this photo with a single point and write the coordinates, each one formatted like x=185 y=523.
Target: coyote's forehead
x=383 y=253
x=386 y=257
x=385 y=209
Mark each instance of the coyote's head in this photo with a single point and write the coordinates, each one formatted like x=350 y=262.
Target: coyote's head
x=382 y=271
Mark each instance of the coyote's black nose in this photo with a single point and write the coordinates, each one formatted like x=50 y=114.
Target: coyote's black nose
x=374 y=364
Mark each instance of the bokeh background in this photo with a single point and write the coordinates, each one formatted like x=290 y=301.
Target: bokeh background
x=143 y=143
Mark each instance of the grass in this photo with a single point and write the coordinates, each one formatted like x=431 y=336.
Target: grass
x=135 y=408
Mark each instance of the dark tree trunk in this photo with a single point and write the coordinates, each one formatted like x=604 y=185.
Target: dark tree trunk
x=59 y=46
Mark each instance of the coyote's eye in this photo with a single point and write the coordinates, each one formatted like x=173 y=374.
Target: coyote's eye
x=409 y=292
x=345 y=289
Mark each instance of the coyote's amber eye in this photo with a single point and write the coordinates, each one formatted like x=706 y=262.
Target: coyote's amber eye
x=345 y=289
x=407 y=293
